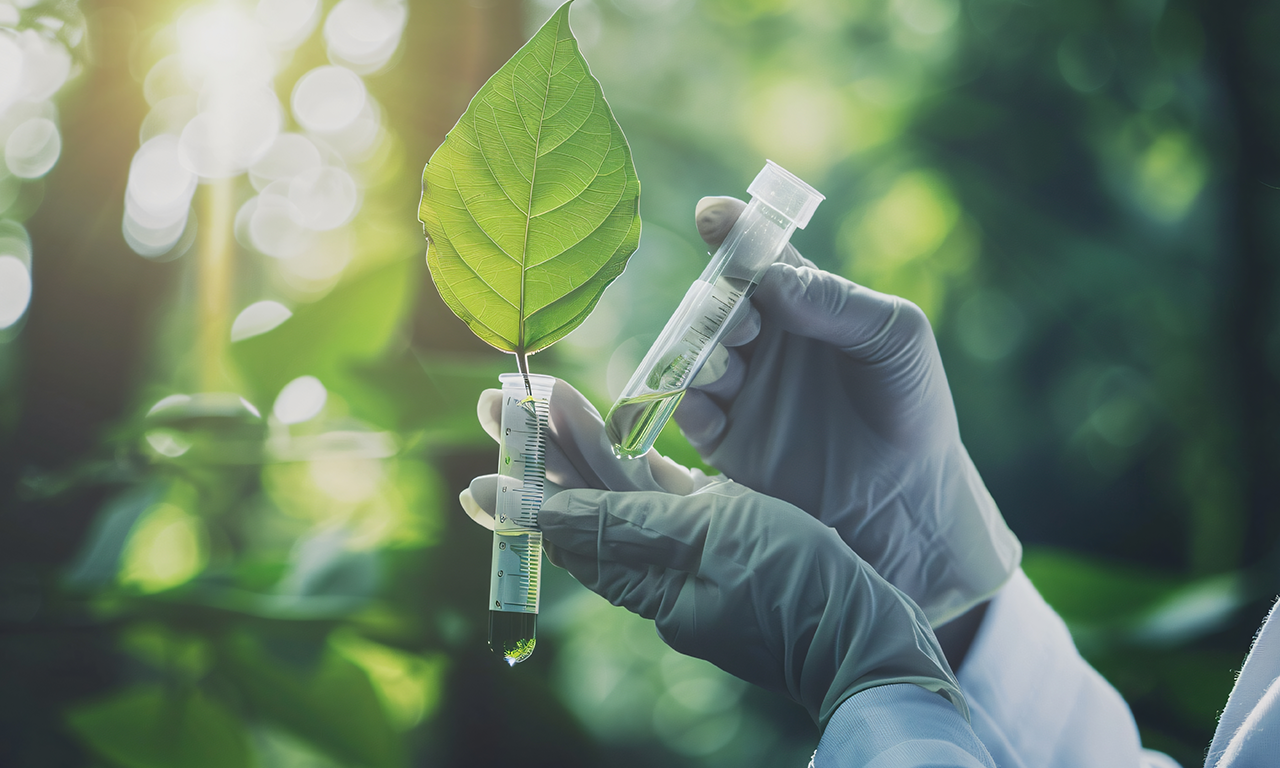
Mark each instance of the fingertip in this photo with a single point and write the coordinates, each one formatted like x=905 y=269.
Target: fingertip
x=489 y=412
x=779 y=279
x=701 y=421
x=746 y=330
x=715 y=366
x=474 y=511
x=820 y=305
x=715 y=216
x=673 y=477
x=725 y=387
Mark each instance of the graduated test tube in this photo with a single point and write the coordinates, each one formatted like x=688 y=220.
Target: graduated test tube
x=515 y=576
x=780 y=202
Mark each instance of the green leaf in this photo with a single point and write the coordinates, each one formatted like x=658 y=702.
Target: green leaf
x=333 y=706
x=147 y=727
x=530 y=205
x=330 y=338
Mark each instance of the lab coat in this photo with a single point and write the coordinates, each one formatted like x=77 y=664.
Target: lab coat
x=1036 y=703
x=1248 y=734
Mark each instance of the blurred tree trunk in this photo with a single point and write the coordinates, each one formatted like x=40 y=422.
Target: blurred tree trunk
x=80 y=359
x=88 y=330
x=452 y=47
x=1241 y=39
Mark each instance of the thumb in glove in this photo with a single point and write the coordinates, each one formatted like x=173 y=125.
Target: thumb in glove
x=751 y=584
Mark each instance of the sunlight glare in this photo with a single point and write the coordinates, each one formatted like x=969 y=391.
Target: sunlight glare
x=220 y=42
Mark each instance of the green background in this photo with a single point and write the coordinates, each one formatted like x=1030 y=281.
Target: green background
x=1082 y=195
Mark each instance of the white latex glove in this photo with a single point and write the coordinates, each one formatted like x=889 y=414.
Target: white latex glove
x=751 y=584
x=832 y=397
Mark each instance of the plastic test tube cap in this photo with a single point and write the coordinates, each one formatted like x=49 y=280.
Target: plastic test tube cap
x=784 y=192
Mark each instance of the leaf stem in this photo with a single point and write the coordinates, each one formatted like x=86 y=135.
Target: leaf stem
x=522 y=362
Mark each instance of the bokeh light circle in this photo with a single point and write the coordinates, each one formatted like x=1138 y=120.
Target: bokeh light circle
x=290 y=155
x=11 y=66
x=33 y=148
x=276 y=227
x=300 y=400
x=316 y=268
x=364 y=34
x=15 y=290
x=258 y=318
x=220 y=43
x=46 y=66
x=158 y=181
x=328 y=99
x=164 y=80
x=286 y=23
x=326 y=197
x=232 y=131
x=14 y=241
x=152 y=241
x=169 y=115
x=360 y=136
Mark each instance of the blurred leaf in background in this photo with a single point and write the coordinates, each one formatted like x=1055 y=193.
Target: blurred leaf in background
x=234 y=414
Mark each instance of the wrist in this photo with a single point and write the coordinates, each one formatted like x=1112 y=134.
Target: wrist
x=956 y=636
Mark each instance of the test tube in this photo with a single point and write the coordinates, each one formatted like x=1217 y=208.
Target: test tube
x=516 y=572
x=780 y=202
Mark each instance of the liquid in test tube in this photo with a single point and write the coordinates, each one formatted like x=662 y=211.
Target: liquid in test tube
x=780 y=202
x=515 y=575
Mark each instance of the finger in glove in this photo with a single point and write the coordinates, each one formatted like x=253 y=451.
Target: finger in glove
x=639 y=529
x=868 y=325
x=579 y=454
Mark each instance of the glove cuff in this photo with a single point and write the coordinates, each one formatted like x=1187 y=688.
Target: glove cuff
x=979 y=551
x=916 y=659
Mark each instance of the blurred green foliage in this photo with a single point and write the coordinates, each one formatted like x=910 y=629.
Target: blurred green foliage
x=1081 y=195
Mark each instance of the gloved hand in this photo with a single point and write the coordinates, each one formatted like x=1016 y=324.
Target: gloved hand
x=833 y=397
x=578 y=455
x=751 y=584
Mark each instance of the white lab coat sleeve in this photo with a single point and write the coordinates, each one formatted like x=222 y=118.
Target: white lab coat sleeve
x=1248 y=733
x=1035 y=702
x=899 y=726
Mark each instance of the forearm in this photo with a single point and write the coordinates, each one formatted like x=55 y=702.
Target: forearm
x=901 y=726
x=1035 y=702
